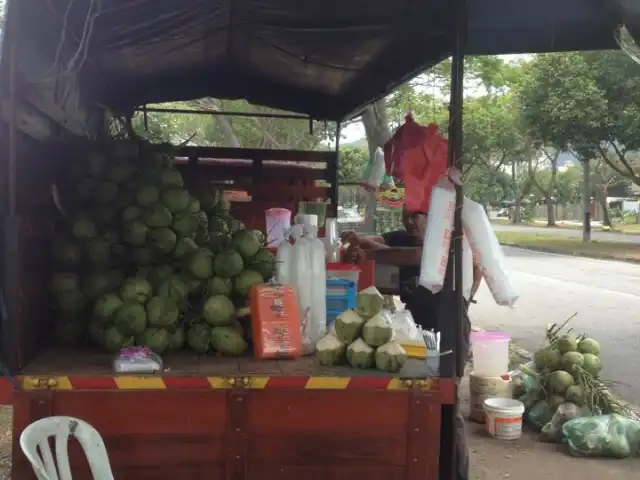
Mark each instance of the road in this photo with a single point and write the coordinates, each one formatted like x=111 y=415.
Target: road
x=605 y=294
x=567 y=232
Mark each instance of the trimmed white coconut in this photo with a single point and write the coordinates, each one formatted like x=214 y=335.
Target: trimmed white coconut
x=360 y=355
x=369 y=302
x=390 y=357
x=348 y=326
x=329 y=350
x=377 y=331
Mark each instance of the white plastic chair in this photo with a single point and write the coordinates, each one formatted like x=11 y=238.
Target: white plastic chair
x=34 y=442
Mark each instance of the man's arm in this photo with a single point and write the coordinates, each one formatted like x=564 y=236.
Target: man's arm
x=371 y=242
x=477 y=279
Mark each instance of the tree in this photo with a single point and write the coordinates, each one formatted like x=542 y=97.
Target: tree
x=587 y=103
x=545 y=183
x=486 y=187
x=219 y=130
x=352 y=164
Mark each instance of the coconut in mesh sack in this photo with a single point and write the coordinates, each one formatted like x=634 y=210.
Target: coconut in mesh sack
x=348 y=326
x=330 y=350
x=390 y=357
x=360 y=355
x=377 y=330
x=369 y=302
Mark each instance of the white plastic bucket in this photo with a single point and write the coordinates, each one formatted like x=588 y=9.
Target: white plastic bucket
x=503 y=417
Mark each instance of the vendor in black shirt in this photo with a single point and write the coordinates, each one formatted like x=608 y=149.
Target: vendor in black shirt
x=403 y=248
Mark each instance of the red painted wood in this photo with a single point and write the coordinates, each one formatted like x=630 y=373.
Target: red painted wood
x=6 y=391
x=249 y=434
x=93 y=383
x=287 y=382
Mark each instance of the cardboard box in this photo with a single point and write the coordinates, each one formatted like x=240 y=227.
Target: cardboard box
x=387 y=278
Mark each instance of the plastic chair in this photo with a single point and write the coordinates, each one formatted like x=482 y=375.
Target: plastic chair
x=34 y=442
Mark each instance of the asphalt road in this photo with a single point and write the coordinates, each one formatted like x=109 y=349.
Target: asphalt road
x=567 y=232
x=605 y=294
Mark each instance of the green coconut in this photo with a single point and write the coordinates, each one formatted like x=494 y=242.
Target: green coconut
x=560 y=381
x=591 y=364
x=555 y=401
x=574 y=394
x=547 y=359
x=566 y=343
x=589 y=345
x=571 y=360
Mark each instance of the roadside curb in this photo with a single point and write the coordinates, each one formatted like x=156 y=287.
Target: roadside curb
x=580 y=255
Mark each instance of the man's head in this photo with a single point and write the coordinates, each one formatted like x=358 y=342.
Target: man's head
x=415 y=223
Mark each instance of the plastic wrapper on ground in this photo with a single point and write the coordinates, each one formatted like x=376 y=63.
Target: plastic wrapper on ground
x=603 y=436
x=552 y=431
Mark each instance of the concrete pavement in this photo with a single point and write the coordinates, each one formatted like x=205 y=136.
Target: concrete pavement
x=569 y=233
x=605 y=294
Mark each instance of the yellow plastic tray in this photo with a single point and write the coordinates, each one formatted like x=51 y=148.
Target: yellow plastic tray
x=415 y=351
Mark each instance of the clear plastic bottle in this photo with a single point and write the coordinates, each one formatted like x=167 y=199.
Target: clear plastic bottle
x=317 y=326
x=301 y=281
x=284 y=256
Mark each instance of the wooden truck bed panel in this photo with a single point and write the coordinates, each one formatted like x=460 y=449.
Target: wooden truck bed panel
x=61 y=362
x=239 y=434
x=169 y=434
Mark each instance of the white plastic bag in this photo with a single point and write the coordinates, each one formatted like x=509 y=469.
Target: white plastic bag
x=405 y=330
x=374 y=176
x=317 y=324
x=467 y=268
x=284 y=256
x=435 y=249
x=488 y=253
x=302 y=282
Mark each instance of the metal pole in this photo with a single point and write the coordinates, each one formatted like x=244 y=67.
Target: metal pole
x=186 y=111
x=333 y=169
x=451 y=322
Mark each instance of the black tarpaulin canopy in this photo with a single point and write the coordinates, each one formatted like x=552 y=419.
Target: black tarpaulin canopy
x=324 y=58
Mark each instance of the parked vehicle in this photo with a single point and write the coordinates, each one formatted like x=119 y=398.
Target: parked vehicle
x=349 y=219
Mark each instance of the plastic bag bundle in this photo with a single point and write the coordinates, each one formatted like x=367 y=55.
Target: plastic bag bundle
x=552 y=431
x=437 y=239
x=603 y=436
x=405 y=329
x=467 y=268
x=488 y=253
x=374 y=174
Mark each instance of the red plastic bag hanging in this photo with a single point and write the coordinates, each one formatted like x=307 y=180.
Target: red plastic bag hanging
x=418 y=156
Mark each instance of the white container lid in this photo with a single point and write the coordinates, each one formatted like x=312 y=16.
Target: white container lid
x=310 y=220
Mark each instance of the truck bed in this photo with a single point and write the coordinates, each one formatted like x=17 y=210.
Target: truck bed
x=86 y=363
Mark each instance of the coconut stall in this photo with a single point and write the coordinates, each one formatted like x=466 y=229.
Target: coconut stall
x=113 y=247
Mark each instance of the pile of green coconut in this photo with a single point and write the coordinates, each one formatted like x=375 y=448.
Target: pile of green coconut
x=363 y=337
x=143 y=256
x=565 y=376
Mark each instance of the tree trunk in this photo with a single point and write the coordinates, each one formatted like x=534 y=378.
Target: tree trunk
x=551 y=217
x=601 y=198
x=516 y=192
x=586 y=201
x=376 y=127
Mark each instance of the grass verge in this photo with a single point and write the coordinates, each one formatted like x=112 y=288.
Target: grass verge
x=627 y=228
x=571 y=246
